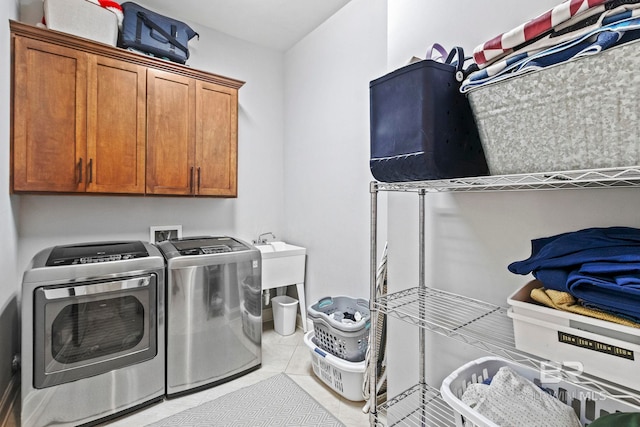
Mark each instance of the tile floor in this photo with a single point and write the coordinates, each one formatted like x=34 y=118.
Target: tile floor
x=280 y=353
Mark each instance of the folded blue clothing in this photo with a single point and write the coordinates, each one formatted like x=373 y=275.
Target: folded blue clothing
x=555 y=273
x=619 y=294
x=600 y=266
x=553 y=278
x=634 y=318
x=566 y=250
x=611 y=268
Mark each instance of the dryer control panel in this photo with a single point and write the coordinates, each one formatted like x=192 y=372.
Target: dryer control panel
x=207 y=245
x=96 y=252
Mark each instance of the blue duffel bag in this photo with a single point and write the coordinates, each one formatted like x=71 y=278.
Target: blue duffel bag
x=154 y=34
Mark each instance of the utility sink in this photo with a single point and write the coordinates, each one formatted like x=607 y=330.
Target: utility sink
x=283 y=265
x=279 y=249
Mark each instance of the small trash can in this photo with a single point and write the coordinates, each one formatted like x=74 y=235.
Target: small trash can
x=285 y=309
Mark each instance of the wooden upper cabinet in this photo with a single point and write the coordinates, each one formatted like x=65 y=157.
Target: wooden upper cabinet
x=170 y=133
x=49 y=116
x=192 y=136
x=79 y=121
x=116 y=120
x=91 y=118
x=216 y=136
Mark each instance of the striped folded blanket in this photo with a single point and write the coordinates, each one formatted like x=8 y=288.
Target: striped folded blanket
x=590 y=43
x=506 y=43
x=572 y=29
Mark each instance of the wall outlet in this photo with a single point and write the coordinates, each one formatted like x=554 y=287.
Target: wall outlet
x=160 y=233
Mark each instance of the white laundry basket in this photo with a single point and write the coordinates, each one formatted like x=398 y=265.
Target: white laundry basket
x=342 y=376
x=347 y=340
x=588 y=404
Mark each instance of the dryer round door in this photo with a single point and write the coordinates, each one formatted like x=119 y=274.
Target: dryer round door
x=87 y=329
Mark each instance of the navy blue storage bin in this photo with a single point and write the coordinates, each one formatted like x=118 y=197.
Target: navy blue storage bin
x=422 y=127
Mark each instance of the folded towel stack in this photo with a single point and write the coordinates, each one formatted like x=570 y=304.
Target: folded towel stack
x=566 y=302
x=598 y=266
x=573 y=29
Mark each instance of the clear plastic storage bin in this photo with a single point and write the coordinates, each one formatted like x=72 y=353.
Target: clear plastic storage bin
x=605 y=349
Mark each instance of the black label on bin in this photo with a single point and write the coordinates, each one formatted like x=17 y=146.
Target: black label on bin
x=595 y=345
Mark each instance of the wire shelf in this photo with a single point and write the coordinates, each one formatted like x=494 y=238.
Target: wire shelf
x=588 y=178
x=484 y=326
x=477 y=323
x=466 y=319
x=420 y=405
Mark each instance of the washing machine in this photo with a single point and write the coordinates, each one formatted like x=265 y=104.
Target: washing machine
x=214 y=311
x=93 y=338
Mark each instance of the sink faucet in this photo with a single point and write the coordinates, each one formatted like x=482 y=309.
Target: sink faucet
x=261 y=239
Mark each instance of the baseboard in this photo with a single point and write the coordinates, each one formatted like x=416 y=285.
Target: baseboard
x=9 y=402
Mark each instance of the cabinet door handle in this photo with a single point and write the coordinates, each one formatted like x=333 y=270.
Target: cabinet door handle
x=198 y=179
x=80 y=171
x=90 y=173
x=191 y=180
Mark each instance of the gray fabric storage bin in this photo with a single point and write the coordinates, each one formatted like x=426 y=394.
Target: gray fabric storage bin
x=582 y=114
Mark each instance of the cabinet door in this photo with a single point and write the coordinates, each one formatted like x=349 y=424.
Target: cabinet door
x=116 y=109
x=170 y=133
x=216 y=140
x=49 y=117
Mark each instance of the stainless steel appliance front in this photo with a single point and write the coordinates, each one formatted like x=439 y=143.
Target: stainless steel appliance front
x=92 y=332
x=89 y=329
x=214 y=318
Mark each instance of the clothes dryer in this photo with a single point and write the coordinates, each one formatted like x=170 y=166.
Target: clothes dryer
x=214 y=311
x=92 y=332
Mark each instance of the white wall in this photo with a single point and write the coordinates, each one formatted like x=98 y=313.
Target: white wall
x=9 y=325
x=326 y=152
x=471 y=238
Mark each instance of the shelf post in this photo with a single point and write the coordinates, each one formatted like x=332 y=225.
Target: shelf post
x=422 y=285
x=373 y=312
